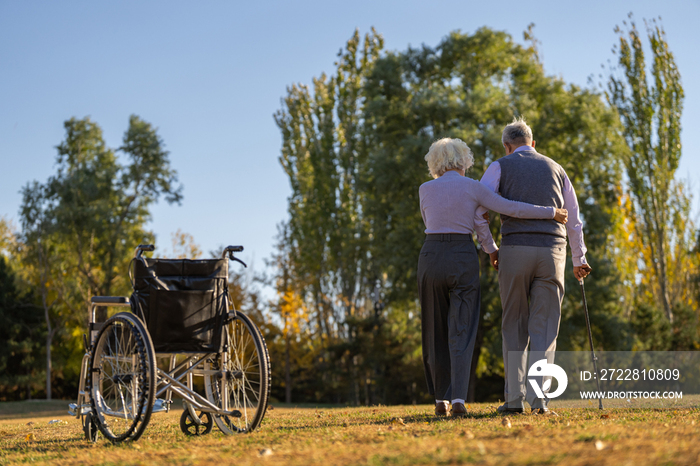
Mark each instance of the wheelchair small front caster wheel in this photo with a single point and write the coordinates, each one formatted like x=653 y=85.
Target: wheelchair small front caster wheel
x=188 y=426
x=90 y=428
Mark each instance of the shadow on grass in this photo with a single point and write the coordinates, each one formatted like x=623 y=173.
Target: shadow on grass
x=380 y=418
x=33 y=408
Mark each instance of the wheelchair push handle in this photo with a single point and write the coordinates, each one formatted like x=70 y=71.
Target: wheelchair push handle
x=229 y=252
x=143 y=247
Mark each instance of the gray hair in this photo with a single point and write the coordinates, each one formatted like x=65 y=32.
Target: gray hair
x=447 y=154
x=518 y=132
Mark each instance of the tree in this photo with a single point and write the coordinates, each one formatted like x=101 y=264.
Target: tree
x=81 y=226
x=650 y=111
x=323 y=154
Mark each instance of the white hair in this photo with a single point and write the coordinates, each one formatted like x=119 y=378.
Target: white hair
x=518 y=132
x=447 y=154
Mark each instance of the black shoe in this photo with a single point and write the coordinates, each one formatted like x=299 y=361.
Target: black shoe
x=504 y=409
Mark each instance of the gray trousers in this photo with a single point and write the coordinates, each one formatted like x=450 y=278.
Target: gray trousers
x=531 y=282
x=448 y=287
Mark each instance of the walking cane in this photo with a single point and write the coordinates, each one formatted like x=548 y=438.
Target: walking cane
x=590 y=340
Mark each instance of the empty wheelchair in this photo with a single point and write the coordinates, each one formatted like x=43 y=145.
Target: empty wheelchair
x=180 y=311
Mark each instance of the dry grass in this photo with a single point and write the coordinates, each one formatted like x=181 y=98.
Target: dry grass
x=376 y=435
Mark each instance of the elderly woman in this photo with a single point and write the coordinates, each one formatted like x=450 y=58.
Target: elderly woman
x=448 y=267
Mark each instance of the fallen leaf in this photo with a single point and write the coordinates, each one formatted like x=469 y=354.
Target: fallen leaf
x=271 y=408
x=265 y=452
x=506 y=422
x=605 y=416
x=398 y=421
x=29 y=437
x=599 y=445
x=467 y=434
x=30 y=423
x=481 y=447
x=527 y=426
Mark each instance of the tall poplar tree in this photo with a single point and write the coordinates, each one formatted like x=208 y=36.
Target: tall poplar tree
x=650 y=108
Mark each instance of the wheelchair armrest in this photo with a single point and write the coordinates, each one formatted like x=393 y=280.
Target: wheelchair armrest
x=110 y=301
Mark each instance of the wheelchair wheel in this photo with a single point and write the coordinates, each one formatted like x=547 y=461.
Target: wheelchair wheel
x=244 y=380
x=89 y=427
x=188 y=426
x=122 y=378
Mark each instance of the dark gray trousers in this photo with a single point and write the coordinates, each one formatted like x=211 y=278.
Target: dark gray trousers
x=448 y=287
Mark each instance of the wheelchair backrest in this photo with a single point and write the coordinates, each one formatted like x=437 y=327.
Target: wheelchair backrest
x=182 y=302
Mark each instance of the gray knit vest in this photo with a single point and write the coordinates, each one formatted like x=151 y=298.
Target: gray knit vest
x=527 y=176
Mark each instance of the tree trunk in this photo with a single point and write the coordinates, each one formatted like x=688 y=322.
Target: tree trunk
x=49 y=337
x=287 y=371
x=663 y=278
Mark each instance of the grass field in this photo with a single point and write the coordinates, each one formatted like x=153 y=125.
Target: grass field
x=393 y=435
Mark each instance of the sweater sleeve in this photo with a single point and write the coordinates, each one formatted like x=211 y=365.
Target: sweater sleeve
x=492 y=201
x=483 y=233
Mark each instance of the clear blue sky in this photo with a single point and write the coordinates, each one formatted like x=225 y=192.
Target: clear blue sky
x=210 y=75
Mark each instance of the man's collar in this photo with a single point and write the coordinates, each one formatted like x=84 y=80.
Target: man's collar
x=523 y=148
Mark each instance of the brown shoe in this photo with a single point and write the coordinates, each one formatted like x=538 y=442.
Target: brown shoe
x=458 y=410
x=441 y=408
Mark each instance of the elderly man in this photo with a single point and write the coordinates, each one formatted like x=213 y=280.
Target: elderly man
x=532 y=259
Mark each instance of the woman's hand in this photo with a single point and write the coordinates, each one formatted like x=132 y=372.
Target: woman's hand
x=561 y=216
x=493 y=257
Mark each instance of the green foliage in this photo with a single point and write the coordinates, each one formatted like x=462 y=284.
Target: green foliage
x=655 y=333
x=21 y=333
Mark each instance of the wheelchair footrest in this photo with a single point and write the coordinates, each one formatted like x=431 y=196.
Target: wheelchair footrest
x=73 y=409
x=161 y=406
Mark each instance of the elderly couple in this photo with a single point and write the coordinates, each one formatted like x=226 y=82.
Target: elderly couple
x=536 y=198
